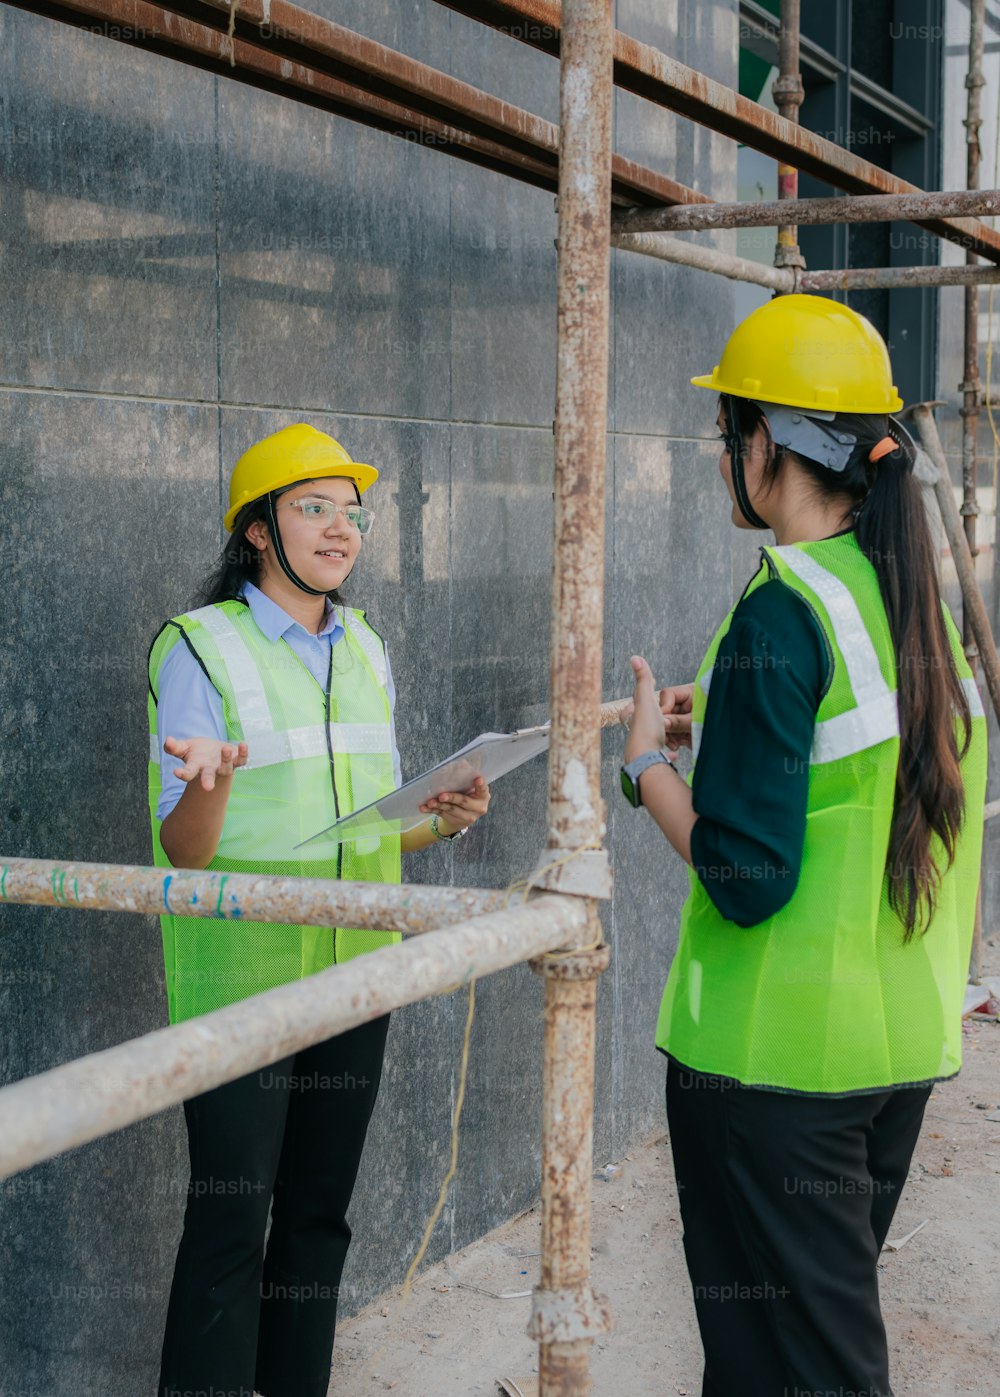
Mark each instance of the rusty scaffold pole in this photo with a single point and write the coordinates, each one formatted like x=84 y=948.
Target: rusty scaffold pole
x=788 y=94
x=566 y=1315
x=661 y=79
x=972 y=597
x=840 y=208
x=785 y=279
x=973 y=607
x=970 y=386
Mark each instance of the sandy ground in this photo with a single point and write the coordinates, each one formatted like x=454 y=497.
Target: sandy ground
x=459 y=1331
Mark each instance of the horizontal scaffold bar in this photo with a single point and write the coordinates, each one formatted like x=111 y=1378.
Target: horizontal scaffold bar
x=184 y=892
x=43 y=1115
x=286 y=50
x=247 y=897
x=842 y=208
x=897 y=278
x=705 y=259
x=786 y=279
x=668 y=83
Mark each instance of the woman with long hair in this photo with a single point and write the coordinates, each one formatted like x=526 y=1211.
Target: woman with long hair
x=272 y=713
x=833 y=824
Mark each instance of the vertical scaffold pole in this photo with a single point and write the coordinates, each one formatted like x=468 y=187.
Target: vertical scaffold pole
x=788 y=94
x=970 y=385
x=566 y=1315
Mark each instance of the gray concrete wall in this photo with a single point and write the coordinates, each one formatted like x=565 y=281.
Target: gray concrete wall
x=189 y=264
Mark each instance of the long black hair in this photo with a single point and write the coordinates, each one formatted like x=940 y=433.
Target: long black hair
x=239 y=561
x=890 y=524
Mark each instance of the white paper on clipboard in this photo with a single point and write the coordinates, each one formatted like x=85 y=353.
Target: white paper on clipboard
x=490 y=755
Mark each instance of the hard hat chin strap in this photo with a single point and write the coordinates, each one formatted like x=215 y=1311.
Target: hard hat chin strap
x=279 y=551
x=734 y=441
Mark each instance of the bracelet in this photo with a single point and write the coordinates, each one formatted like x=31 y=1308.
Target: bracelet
x=449 y=837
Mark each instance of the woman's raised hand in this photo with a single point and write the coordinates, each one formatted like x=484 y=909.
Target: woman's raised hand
x=205 y=758
x=675 y=705
x=460 y=808
x=645 y=730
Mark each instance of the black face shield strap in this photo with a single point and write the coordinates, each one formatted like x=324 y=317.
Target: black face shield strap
x=734 y=443
x=279 y=550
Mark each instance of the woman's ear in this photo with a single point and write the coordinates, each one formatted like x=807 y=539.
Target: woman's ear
x=257 y=535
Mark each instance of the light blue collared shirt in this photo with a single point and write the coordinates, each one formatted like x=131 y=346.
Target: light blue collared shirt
x=189 y=705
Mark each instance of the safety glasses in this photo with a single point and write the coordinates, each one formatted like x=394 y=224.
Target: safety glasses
x=316 y=509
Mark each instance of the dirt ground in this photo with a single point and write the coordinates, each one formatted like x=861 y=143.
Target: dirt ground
x=464 y=1324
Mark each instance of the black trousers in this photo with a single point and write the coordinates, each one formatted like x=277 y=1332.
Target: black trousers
x=288 y=1138
x=785 y=1202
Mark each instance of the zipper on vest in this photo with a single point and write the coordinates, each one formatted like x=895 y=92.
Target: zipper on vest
x=333 y=783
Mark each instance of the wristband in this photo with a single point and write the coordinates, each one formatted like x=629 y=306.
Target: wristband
x=449 y=837
x=633 y=770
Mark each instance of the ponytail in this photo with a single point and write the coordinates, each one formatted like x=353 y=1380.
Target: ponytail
x=891 y=527
x=892 y=531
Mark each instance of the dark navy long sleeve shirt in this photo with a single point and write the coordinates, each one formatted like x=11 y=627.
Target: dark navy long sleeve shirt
x=751 y=778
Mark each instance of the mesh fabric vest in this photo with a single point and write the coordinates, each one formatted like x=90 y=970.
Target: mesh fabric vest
x=314 y=755
x=825 y=996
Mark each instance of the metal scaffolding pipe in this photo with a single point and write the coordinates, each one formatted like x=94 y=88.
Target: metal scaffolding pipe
x=784 y=279
x=706 y=259
x=476 y=127
x=898 y=278
x=288 y=29
x=246 y=897
x=788 y=94
x=972 y=597
x=970 y=386
x=249 y=897
x=566 y=1315
x=840 y=208
x=54 y=1111
x=611 y=713
x=583 y=313
x=668 y=83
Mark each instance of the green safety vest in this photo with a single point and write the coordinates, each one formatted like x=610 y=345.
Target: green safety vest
x=824 y=996
x=313 y=757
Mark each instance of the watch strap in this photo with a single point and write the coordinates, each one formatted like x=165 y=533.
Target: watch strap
x=632 y=770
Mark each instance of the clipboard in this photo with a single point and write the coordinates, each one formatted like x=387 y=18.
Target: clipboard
x=490 y=755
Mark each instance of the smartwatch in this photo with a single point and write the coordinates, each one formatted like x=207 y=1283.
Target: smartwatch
x=632 y=772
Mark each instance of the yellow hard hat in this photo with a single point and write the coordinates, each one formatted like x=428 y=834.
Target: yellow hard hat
x=298 y=452
x=808 y=352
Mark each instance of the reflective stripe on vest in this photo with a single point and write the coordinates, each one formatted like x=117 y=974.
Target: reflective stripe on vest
x=268 y=746
x=354 y=739
x=975 y=698
x=874 y=718
x=368 y=642
x=246 y=683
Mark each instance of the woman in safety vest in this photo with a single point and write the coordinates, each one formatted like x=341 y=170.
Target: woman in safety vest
x=277 y=701
x=833 y=824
